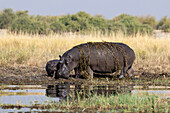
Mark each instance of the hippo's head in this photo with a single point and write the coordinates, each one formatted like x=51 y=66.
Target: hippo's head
x=65 y=66
x=51 y=67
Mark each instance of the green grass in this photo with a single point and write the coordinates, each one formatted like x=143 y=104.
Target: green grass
x=120 y=102
x=111 y=103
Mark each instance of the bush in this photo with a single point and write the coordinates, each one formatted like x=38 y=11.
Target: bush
x=129 y=25
x=116 y=27
x=21 y=24
x=81 y=22
x=6 y=18
x=98 y=24
x=28 y=25
x=57 y=27
x=148 y=20
x=164 y=24
x=76 y=23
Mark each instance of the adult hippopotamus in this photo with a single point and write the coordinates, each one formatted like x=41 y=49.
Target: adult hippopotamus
x=51 y=67
x=98 y=57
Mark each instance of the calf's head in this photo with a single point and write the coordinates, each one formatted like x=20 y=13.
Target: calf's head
x=53 y=66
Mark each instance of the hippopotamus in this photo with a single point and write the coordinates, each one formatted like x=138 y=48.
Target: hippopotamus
x=51 y=67
x=97 y=57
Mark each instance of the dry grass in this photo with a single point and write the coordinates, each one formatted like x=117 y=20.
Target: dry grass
x=26 y=50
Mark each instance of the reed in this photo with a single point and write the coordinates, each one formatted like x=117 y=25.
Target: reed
x=35 y=50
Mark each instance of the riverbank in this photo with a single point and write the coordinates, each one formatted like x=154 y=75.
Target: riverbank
x=38 y=76
x=23 y=58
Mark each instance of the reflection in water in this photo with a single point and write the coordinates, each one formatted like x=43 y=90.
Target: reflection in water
x=62 y=91
x=29 y=95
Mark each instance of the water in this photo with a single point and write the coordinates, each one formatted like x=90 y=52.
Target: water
x=36 y=94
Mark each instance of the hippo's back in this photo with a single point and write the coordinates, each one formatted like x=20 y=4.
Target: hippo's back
x=106 y=56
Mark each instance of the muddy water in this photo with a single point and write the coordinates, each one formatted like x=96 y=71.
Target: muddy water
x=30 y=95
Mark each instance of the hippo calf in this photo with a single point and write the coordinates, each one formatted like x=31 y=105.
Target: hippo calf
x=98 y=57
x=51 y=67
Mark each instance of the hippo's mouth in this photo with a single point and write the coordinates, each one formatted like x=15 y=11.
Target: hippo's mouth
x=63 y=75
x=66 y=76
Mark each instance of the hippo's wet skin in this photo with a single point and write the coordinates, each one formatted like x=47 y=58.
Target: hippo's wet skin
x=51 y=67
x=98 y=57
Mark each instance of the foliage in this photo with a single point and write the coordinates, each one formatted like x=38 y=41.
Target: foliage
x=129 y=25
x=6 y=18
x=57 y=27
x=81 y=22
x=75 y=23
x=28 y=25
x=164 y=24
x=98 y=23
x=148 y=20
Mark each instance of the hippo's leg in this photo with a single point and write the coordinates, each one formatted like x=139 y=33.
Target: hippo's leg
x=122 y=74
x=90 y=72
x=54 y=74
x=77 y=72
x=130 y=71
x=123 y=71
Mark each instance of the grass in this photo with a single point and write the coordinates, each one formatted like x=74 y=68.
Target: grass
x=120 y=102
x=35 y=50
x=152 y=55
x=112 y=103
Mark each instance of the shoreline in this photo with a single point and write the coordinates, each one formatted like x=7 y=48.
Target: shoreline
x=38 y=76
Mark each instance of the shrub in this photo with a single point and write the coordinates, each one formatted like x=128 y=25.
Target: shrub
x=28 y=25
x=130 y=25
x=81 y=22
x=57 y=27
x=116 y=27
x=98 y=23
x=164 y=24
x=148 y=20
x=6 y=18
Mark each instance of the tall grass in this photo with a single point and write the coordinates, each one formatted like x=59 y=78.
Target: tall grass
x=36 y=50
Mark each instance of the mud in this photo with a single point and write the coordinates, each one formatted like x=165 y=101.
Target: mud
x=38 y=76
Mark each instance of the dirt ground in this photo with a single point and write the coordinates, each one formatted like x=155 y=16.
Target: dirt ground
x=37 y=76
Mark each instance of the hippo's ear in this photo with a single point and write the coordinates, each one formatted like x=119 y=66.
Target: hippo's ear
x=60 y=56
x=61 y=60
